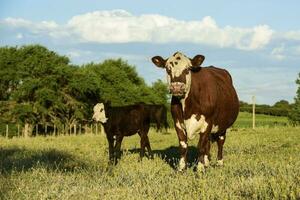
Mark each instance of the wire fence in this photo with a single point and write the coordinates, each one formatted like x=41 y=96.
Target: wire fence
x=17 y=130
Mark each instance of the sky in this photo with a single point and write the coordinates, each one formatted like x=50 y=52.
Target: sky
x=258 y=42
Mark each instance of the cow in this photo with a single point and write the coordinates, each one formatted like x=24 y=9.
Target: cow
x=119 y=122
x=158 y=115
x=203 y=102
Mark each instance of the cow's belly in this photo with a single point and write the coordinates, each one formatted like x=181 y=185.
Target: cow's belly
x=194 y=126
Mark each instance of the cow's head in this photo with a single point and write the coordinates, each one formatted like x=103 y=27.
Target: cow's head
x=179 y=68
x=99 y=113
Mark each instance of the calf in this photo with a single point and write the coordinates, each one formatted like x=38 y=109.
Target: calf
x=119 y=122
x=204 y=102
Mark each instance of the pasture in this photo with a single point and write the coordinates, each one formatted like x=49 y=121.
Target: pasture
x=259 y=164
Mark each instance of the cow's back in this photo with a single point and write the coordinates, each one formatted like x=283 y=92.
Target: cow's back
x=127 y=119
x=212 y=93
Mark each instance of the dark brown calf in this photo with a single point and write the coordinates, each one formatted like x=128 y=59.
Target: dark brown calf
x=158 y=115
x=119 y=122
x=203 y=102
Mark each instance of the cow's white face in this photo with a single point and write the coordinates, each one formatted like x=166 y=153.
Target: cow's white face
x=179 y=69
x=99 y=113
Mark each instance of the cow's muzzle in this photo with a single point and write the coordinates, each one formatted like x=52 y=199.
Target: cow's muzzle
x=177 y=89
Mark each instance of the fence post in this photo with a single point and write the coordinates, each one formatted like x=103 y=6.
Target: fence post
x=91 y=128
x=80 y=129
x=36 y=130
x=46 y=129
x=54 y=127
x=96 y=128
x=85 y=129
x=253 y=112
x=75 y=131
x=18 y=130
x=6 y=131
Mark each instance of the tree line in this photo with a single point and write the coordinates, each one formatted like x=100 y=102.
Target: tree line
x=39 y=86
x=280 y=108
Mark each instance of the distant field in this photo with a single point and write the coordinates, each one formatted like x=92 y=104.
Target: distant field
x=245 y=120
x=259 y=164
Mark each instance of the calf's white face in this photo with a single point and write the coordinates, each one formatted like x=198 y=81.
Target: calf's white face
x=179 y=69
x=99 y=113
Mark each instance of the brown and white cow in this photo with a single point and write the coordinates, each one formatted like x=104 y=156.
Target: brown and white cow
x=204 y=102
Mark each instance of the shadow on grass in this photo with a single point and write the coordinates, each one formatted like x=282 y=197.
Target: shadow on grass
x=171 y=155
x=21 y=159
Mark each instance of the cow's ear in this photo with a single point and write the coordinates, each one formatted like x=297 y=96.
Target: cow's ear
x=197 y=61
x=159 y=61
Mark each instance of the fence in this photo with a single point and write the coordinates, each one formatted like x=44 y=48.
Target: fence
x=16 y=130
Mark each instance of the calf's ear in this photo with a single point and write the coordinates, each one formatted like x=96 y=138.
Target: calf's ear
x=197 y=61
x=159 y=61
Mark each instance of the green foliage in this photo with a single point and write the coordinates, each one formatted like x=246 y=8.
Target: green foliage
x=41 y=86
x=258 y=164
x=121 y=85
x=280 y=108
x=161 y=90
x=294 y=115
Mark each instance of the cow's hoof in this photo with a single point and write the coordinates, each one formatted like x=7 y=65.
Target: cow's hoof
x=220 y=163
x=200 y=168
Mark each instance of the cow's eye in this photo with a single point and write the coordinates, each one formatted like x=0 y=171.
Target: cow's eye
x=101 y=109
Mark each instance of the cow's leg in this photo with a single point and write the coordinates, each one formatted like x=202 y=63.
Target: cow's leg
x=118 y=148
x=148 y=147
x=111 y=150
x=143 y=144
x=204 y=149
x=147 y=142
x=183 y=146
x=158 y=128
x=177 y=115
x=220 y=142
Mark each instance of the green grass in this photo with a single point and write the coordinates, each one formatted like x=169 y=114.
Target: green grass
x=244 y=120
x=259 y=164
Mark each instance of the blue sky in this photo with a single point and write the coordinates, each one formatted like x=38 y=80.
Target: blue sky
x=258 y=42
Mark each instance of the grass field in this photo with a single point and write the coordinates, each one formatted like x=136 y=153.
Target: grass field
x=245 y=120
x=259 y=164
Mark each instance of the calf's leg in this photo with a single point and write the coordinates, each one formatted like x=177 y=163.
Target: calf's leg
x=111 y=150
x=118 y=148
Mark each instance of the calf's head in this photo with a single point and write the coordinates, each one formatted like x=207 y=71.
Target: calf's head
x=179 y=68
x=99 y=113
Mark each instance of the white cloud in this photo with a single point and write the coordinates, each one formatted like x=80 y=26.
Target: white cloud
x=119 y=26
x=292 y=35
x=19 y=36
x=49 y=28
x=296 y=51
x=278 y=53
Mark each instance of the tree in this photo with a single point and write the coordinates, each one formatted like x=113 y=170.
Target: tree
x=42 y=87
x=9 y=71
x=294 y=115
x=161 y=92
x=120 y=83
